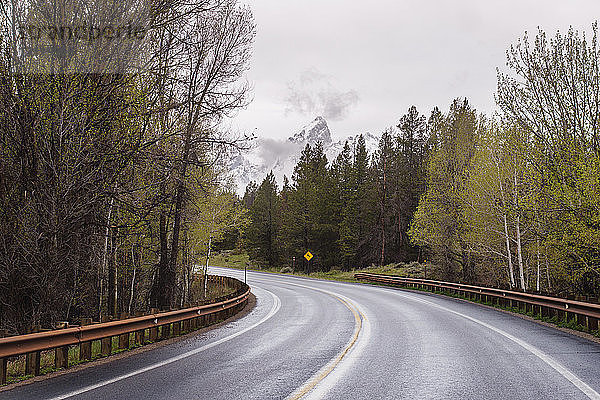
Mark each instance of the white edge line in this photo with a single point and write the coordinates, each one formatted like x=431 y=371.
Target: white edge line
x=274 y=309
x=566 y=373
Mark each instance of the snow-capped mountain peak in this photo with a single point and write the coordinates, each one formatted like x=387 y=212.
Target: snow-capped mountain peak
x=316 y=131
x=281 y=156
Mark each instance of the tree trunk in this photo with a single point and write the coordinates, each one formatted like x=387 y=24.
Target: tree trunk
x=511 y=271
x=112 y=273
x=102 y=274
x=157 y=294
x=520 y=255
x=547 y=273
x=207 y=262
x=383 y=193
x=537 y=281
x=518 y=232
x=132 y=289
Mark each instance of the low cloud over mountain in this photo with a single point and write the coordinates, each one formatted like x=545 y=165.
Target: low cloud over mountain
x=281 y=156
x=315 y=93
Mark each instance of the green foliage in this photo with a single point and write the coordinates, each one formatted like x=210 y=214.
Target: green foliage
x=512 y=201
x=349 y=214
x=439 y=221
x=515 y=202
x=264 y=227
x=108 y=190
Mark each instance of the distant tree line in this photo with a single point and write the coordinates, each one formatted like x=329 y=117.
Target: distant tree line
x=511 y=199
x=351 y=213
x=110 y=184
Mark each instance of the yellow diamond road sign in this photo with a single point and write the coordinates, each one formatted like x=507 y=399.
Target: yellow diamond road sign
x=308 y=256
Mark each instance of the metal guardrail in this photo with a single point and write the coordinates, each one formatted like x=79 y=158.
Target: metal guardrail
x=586 y=314
x=168 y=324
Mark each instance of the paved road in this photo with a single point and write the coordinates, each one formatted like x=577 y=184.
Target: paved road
x=332 y=340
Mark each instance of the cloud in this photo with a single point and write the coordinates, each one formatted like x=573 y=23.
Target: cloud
x=272 y=150
x=314 y=94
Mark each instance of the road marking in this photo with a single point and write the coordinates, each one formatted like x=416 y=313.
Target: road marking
x=570 y=376
x=274 y=309
x=320 y=383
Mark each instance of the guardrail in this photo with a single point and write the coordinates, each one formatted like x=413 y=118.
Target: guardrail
x=586 y=314
x=158 y=324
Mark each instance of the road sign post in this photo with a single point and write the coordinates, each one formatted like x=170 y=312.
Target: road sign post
x=308 y=257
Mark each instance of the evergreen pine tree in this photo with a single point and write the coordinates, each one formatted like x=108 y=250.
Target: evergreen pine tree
x=263 y=230
x=345 y=218
x=383 y=168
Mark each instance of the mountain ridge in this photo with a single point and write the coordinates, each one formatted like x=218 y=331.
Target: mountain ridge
x=281 y=156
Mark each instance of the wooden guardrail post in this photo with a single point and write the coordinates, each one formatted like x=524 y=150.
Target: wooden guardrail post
x=520 y=305
x=3 y=363
x=176 y=329
x=561 y=315
x=32 y=360
x=582 y=310
x=592 y=322
x=3 y=372
x=106 y=343
x=165 y=331
x=187 y=322
x=153 y=332
x=553 y=313
x=140 y=336
x=124 y=338
x=62 y=339
x=85 y=348
x=61 y=354
x=581 y=319
x=570 y=315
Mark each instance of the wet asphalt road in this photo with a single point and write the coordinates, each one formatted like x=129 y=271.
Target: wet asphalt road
x=332 y=340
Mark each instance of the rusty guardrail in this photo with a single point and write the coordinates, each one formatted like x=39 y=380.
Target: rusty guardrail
x=169 y=323
x=585 y=313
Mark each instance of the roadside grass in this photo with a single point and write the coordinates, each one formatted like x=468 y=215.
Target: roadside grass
x=415 y=270
x=16 y=366
x=239 y=261
x=225 y=259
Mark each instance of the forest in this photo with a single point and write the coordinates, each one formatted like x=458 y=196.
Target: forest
x=112 y=182
x=114 y=188
x=510 y=199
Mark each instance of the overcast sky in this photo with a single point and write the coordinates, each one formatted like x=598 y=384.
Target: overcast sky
x=361 y=64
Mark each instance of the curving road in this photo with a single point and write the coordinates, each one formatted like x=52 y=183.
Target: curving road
x=317 y=339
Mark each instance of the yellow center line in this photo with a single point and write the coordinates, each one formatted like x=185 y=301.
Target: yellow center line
x=308 y=386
